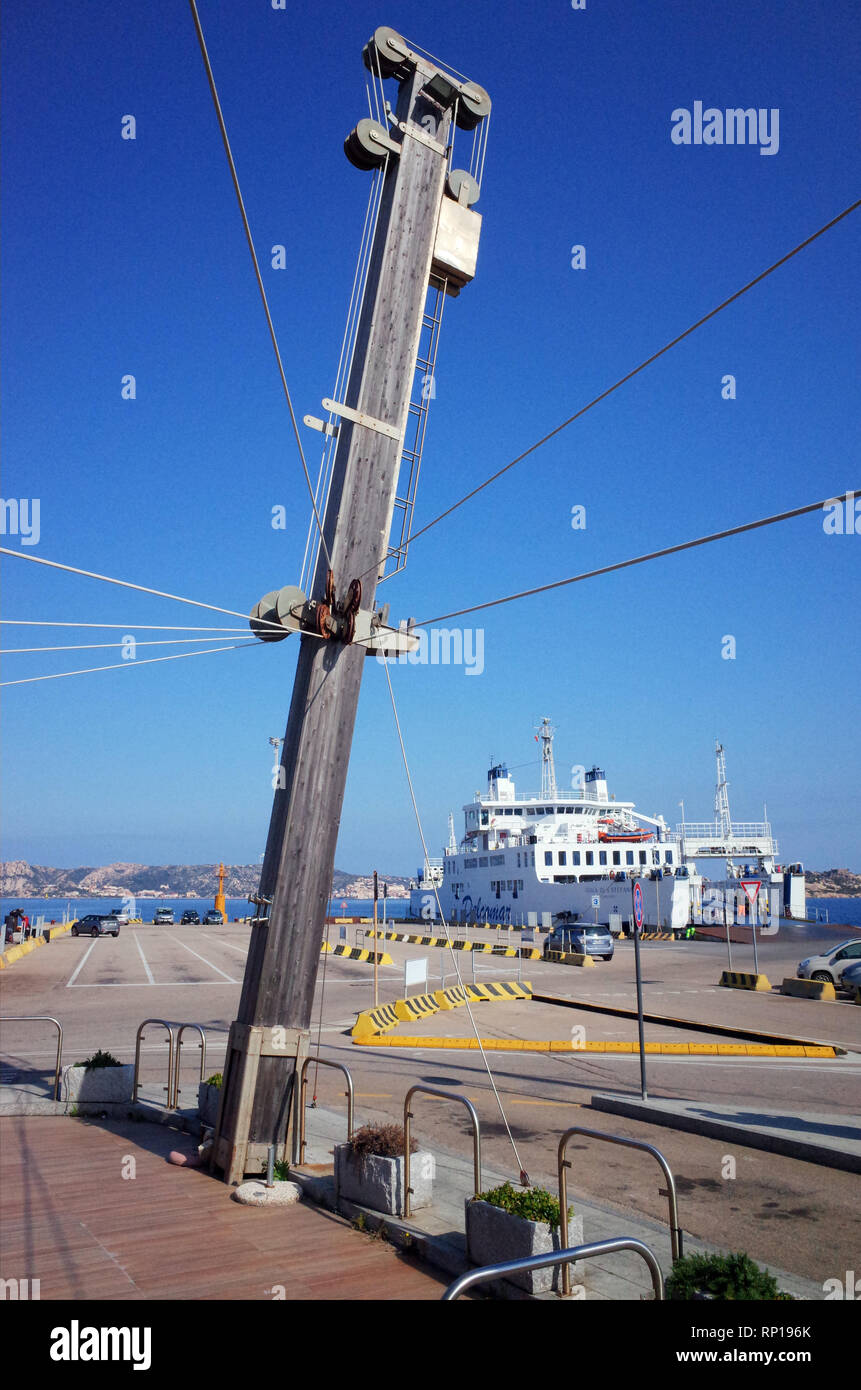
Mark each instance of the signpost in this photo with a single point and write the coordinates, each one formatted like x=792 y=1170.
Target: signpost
x=751 y=891
x=596 y=903
x=638 y=927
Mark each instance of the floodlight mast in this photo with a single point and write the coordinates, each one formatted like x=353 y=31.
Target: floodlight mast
x=425 y=229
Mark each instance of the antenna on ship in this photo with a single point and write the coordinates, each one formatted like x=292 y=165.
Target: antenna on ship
x=722 y=816
x=452 y=840
x=548 y=770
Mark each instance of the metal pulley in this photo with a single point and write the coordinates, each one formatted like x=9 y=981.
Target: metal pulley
x=282 y=607
x=368 y=144
x=387 y=52
x=473 y=106
x=462 y=187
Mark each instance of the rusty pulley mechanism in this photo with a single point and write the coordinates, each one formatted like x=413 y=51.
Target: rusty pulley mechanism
x=288 y=610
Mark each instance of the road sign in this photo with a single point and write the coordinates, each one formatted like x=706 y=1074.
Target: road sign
x=751 y=887
x=638 y=906
x=596 y=901
x=344 y=905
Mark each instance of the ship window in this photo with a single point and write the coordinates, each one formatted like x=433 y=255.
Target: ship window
x=530 y=811
x=642 y=856
x=539 y=810
x=668 y=856
x=578 y=810
x=617 y=856
x=482 y=861
x=629 y=856
x=602 y=857
x=590 y=858
x=562 y=858
x=575 y=857
x=548 y=857
x=560 y=810
x=484 y=818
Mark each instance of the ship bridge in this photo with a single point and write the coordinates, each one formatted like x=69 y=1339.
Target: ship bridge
x=742 y=839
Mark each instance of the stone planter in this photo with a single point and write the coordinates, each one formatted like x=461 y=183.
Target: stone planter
x=99 y=1084
x=378 y=1183
x=494 y=1236
x=207 y=1103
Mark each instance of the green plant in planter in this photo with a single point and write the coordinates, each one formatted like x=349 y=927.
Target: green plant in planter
x=531 y=1203
x=216 y=1079
x=99 y=1059
x=723 y=1277
x=381 y=1141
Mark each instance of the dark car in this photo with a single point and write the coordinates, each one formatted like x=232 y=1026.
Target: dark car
x=95 y=925
x=213 y=919
x=190 y=919
x=581 y=938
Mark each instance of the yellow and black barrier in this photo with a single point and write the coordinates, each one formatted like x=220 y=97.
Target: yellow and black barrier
x=416 y=1006
x=378 y=1020
x=486 y=948
x=371 y=1022
x=13 y=953
x=503 y=989
x=452 y=998
x=740 y=979
x=808 y=989
x=356 y=953
x=568 y=958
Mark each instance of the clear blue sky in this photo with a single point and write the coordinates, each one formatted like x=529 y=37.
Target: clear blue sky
x=128 y=257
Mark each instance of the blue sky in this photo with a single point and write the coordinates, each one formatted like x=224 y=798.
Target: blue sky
x=129 y=257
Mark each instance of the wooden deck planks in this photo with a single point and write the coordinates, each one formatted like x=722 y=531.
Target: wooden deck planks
x=72 y=1221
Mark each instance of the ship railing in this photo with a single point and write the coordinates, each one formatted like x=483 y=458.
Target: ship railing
x=708 y=830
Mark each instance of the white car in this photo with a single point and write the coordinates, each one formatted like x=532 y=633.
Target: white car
x=829 y=968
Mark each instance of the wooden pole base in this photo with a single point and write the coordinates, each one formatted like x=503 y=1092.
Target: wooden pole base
x=235 y=1153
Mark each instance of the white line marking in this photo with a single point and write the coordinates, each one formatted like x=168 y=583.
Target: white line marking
x=144 y=959
x=79 y=967
x=165 y=984
x=243 y=950
x=205 y=961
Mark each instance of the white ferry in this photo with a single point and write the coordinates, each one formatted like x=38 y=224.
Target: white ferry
x=535 y=861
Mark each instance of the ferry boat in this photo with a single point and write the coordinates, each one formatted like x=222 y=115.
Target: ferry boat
x=575 y=855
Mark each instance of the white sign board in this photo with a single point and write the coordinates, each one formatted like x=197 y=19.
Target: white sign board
x=596 y=901
x=415 y=973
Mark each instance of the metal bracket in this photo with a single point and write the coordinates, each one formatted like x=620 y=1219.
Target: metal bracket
x=322 y=425
x=360 y=418
x=422 y=137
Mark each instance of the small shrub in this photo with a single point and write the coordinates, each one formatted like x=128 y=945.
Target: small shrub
x=725 y=1277
x=532 y=1203
x=216 y=1079
x=100 y=1059
x=281 y=1170
x=381 y=1141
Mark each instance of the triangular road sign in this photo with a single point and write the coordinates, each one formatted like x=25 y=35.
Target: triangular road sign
x=751 y=887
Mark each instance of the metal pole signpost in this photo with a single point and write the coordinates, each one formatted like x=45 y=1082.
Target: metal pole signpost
x=425 y=240
x=751 y=891
x=376 y=942
x=638 y=927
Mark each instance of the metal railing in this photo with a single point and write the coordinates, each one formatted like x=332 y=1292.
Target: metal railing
x=676 y=1237
x=171 y=1050
x=476 y=1137
x=299 y=1146
x=43 y=1018
x=578 y=1252
x=178 y=1059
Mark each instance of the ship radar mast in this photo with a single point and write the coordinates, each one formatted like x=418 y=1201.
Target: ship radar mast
x=722 y=816
x=548 y=770
x=452 y=838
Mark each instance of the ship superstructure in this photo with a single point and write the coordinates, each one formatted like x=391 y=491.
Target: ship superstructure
x=531 y=860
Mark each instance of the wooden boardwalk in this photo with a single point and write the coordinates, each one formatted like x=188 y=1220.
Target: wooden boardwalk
x=73 y=1220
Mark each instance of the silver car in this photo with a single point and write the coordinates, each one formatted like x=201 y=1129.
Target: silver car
x=851 y=977
x=829 y=968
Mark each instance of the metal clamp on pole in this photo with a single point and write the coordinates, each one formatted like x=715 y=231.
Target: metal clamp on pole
x=676 y=1236
x=162 y=1023
x=43 y=1018
x=476 y=1138
x=299 y=1145
x=578 y=1252
x=201 y=1045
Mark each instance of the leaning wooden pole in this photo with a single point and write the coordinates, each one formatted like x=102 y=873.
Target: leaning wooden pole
x=269 y=1038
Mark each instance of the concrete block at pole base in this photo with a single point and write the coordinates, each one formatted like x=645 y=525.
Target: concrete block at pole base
x=97 y=1083
x=808 y=989
x=739 y=979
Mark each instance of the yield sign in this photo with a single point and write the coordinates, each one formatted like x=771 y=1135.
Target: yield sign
x=751 y=887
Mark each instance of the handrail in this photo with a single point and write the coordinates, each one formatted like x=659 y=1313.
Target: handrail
x=138 y=1039
x=476 y=1137
x=676 y=1236
x=578 y=1252
x=303 y=1080
x=201 y=1045
x=42 y=1018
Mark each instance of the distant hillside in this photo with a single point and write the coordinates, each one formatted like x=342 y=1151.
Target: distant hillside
x=833 y=883
x=18 y=879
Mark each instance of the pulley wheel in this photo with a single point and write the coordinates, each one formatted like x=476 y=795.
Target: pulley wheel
x=321 y=621
x=264 y=613
x=459 y=179
x=330 y=588
x=354 y=596
x=391 y=55
x=472 y=106
x=348 y=630
x=361 y=150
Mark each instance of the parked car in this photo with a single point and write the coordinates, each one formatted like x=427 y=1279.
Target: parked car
x=122 y=916
x=190 y=919
x=581 y=938
x=851 y=977
x=829 y=968
x=213 y=918
x=95 y=925
x=163 y=917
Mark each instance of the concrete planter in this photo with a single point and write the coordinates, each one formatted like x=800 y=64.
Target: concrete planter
x=378 y=1183
x=207 y=1103
x=99 y=1084
x=494 y=1236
